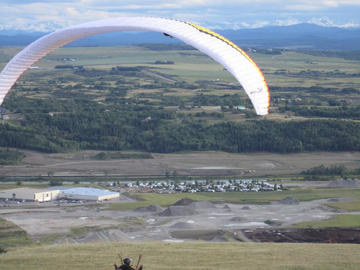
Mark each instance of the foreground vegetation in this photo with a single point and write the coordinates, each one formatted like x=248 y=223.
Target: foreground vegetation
x=342 y=221
x=227 y=256
x=12 y=236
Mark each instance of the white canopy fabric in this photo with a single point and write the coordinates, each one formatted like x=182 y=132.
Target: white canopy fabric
x=234 y=59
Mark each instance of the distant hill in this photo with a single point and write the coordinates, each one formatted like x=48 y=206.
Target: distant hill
x=307 y=36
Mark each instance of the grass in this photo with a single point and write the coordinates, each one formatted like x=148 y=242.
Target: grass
x=10 y=157
x=22 y=184
x=176 y=256
x=349 y=206
x=12 y=236
x=338 y=221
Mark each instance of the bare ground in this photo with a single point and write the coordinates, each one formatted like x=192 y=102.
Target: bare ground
x=86 y=223
x=195 y=163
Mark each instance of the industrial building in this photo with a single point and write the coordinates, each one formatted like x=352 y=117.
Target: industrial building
x=30 y=194
x=44 y=195
x=89 y=194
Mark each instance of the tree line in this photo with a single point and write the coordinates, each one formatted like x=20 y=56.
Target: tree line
x=348 y=112
x=84 y=124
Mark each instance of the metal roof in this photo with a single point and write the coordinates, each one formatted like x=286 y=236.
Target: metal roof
x=87 y=191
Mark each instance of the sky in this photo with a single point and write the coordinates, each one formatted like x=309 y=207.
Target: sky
x=49 y=15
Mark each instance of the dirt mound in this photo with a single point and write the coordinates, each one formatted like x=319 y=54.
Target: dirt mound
x=245 y=208
x=150 y=208
x=226 y=208
x=184 y=201
x=182 y=226
x=202 y=205
x=326 y=208
x=178 y=211
x=344 y=183
x=237 y=219
x=288 y=201
x=96 y=236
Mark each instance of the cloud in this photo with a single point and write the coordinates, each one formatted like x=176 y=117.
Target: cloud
x=48 y=15
x=287 y=22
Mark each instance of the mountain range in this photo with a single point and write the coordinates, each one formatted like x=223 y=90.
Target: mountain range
x=299 y=36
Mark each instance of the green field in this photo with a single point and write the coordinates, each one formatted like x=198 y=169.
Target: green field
x=338 y=221
x=349 y=206
x=209 y=256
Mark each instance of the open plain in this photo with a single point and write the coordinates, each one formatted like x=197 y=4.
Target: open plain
x=185 y=164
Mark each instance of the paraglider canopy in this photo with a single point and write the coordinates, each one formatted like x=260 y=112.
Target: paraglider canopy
x=228 y=54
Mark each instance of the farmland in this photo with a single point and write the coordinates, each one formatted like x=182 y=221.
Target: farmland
x=177 y=99
x=284 y=68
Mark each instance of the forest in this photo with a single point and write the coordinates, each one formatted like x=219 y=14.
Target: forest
x=85 y=124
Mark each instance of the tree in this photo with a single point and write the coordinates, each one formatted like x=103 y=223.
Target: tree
x=55 y=182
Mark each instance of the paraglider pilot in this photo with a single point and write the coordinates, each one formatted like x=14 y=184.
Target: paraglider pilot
x=127 y=265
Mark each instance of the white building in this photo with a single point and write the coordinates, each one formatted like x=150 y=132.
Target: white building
x=45 y=195
x=30 y=194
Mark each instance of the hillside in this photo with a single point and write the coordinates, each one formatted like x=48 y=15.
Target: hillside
x=176 y=256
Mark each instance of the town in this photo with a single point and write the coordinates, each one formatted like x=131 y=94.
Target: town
x=193 y=186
